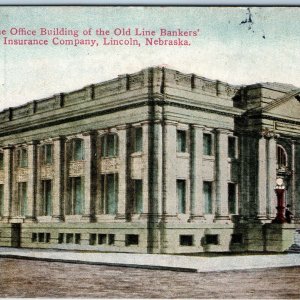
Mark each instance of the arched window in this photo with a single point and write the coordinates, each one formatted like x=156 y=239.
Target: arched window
x=282 y=160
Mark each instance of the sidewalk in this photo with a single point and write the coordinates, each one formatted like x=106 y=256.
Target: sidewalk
x=158 y=261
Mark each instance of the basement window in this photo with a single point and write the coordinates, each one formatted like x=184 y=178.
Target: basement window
x=131 y=239
x=211 y=239
x=186 y=240
x=237 y=238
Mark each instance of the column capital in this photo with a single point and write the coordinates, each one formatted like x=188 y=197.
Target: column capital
x=196 y=126
x=59 y=138
x=89 y=133
x=223 y=131
x=32 y=143
x=270 y=134
x=8 y=147
x=170 y=122
x=122 y=127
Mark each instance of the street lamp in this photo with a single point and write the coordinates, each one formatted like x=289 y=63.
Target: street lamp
x=279 y=190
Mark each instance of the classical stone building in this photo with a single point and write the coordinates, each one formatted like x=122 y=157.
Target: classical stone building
x=153 y=162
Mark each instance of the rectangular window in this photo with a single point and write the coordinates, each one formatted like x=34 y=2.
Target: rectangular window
x=47 y=154
x=22 y=198
x=78 y=149
x=212 y=239
x=101 y=239
x=61 y=238
x=181 y=141
x=41 y=236
x=1 y=199
x=22 y=158
x=93 y=238
x=138 y=139
x=231 y=147
x=1 y=161
x=207 y=197
x=207 y=144
x=138 y=196
x=109 y=193
x=48 y=237
x=181 y=196
x=77 y=195
x=232 y=198
x=111 y=239
x=186 y=240
x=237 y=238
x=47 y=197
x=109 y=145
x=34 y=237
x=131 y=239
x=69 y=238
x=77 y=238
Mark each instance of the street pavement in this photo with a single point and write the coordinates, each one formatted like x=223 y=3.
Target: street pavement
x=158 y=261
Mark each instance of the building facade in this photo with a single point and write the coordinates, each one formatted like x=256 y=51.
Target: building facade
x=152 y=162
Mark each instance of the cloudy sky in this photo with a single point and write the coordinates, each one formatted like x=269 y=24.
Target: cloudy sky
x=265 y=48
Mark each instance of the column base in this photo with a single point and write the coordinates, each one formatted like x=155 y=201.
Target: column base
x=57 y=218
x=196 y=219
x=121 y=217
x=222 y=219
x=4 y=219
x=29 y=219
x=169 y=218
x=86 y=218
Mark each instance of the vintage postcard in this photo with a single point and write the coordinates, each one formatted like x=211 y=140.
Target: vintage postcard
x=149 y=152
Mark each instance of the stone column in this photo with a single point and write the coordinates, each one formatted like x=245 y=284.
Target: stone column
x=88 y=178
x=145 y=170
x=262 y=179
x=58 y=178
x=296 y=175
x=31 y=182
x=271 y=177
x=8 y=155
x=293 y=178
x=196 y=173
x=222 y=175
x=169 y=169
x=122 y=196
x=156 y=234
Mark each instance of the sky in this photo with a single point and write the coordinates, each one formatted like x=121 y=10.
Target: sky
x=231 y=45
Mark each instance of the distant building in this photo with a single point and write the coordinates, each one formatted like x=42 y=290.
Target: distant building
x=157 y=161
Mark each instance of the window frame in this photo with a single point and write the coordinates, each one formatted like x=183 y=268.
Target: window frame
x=45 y=152
x=206 y=134
x=181 y=147
x=22 y=201
x=209 y=204
x=235 y=212
x=73 y=209
x=104 y=193
x=45 y=203
x=105 y=152
x=281 y=151
x=22 y=157
x=74 y=154
x=235 y=154
x=138 y=136
x=181 y=203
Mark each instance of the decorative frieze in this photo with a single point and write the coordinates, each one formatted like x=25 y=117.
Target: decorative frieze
x=47 y=172
x=110 y=165
x=76 y=168
x=22 y=174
